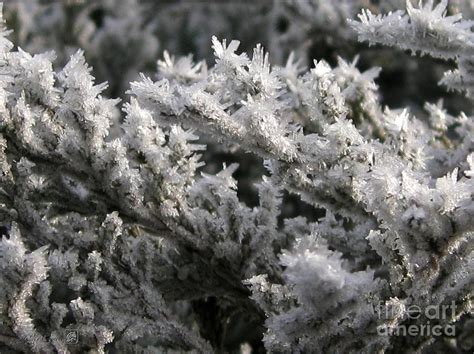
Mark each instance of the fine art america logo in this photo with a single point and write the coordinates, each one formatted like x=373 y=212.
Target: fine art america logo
x=429 y=320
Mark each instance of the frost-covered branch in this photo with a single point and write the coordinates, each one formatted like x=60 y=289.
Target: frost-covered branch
x=113 y=231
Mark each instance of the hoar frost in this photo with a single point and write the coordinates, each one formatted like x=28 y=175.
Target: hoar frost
x=112 y=231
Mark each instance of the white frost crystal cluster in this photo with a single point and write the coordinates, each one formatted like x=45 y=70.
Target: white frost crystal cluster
x=112 y=232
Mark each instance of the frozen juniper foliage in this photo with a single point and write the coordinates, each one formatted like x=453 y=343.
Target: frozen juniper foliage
x=118 y=235
x=123 y=38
